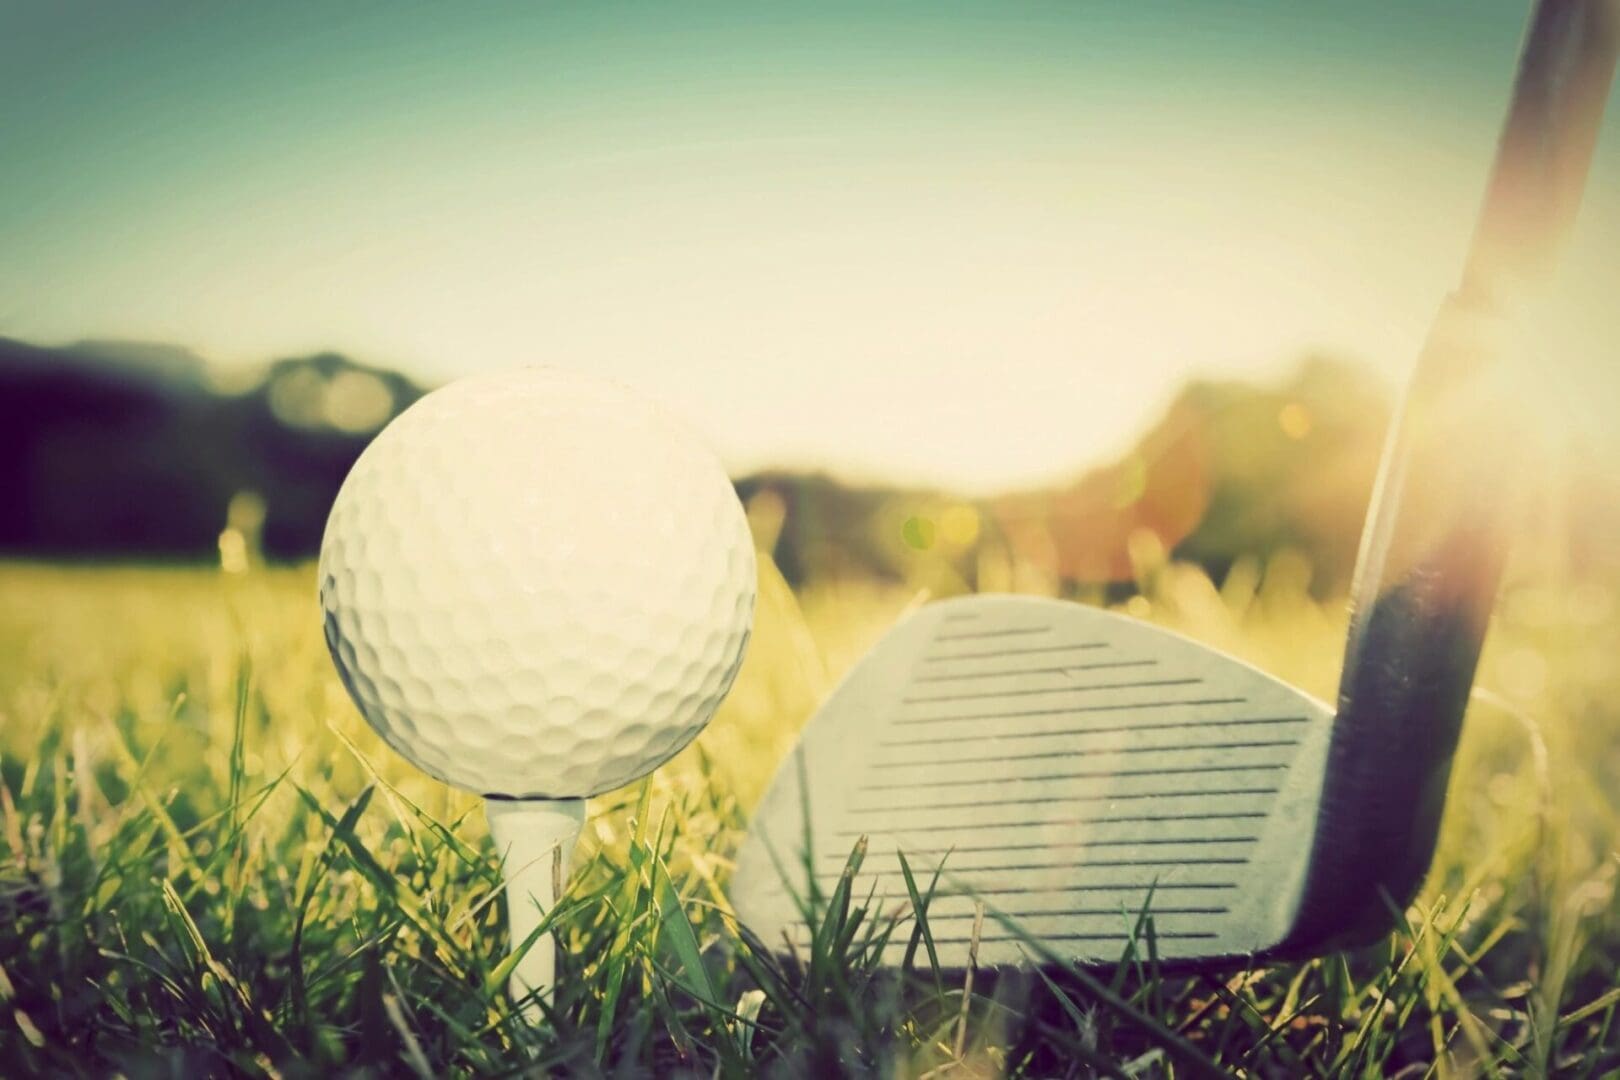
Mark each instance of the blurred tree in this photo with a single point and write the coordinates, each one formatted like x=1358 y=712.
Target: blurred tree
x=117 y=449
x=1231 y=469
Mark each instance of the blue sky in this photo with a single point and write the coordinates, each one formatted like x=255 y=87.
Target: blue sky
x=971 y=244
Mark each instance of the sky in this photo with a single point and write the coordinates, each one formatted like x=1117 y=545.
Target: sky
x=974 y=245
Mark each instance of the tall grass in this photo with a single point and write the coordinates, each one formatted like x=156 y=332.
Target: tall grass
x=208 y=864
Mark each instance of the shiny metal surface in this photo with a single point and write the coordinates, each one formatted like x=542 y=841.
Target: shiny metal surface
x=1448 y=495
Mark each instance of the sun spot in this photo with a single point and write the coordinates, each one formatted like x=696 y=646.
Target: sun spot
x=1295 y=420
x=918 y=533
x=959 y=525
x=1132 y=482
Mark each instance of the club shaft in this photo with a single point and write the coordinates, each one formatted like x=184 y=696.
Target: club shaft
x=1545 y=151
x=1448 y=498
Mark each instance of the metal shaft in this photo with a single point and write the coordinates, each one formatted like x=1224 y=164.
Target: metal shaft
x=1447 y=499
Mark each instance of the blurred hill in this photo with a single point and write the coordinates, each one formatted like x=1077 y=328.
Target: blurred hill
x=1230 y=470
x=113 y=449
x=130 y=449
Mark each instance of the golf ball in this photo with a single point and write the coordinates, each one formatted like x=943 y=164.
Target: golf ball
x=536 y=584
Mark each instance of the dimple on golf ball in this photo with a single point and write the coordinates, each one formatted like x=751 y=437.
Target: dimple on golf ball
x=536 y=584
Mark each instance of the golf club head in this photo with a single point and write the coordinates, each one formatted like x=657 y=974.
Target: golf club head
x=1077 y=772
x=1069 y=767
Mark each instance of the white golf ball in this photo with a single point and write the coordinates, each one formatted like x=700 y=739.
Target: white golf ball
x=536 y=584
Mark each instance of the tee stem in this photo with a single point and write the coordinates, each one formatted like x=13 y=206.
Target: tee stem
x=535 y=838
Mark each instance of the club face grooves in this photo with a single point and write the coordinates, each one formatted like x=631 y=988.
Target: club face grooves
x=1190 y=792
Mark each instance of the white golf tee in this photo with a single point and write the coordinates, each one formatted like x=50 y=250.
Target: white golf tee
x=535 y=838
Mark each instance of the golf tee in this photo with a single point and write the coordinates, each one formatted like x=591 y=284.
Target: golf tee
x=535 y=839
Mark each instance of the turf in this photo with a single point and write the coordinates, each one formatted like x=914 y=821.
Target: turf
x=209 y=865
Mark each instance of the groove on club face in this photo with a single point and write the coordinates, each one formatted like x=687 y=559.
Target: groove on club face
x=1083 y=764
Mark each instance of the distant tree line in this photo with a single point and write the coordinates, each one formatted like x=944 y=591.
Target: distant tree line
x=127 y=450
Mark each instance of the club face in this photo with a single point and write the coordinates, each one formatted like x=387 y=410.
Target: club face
x=1065 y=766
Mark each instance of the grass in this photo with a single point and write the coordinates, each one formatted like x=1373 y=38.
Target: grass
x=209 y=865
